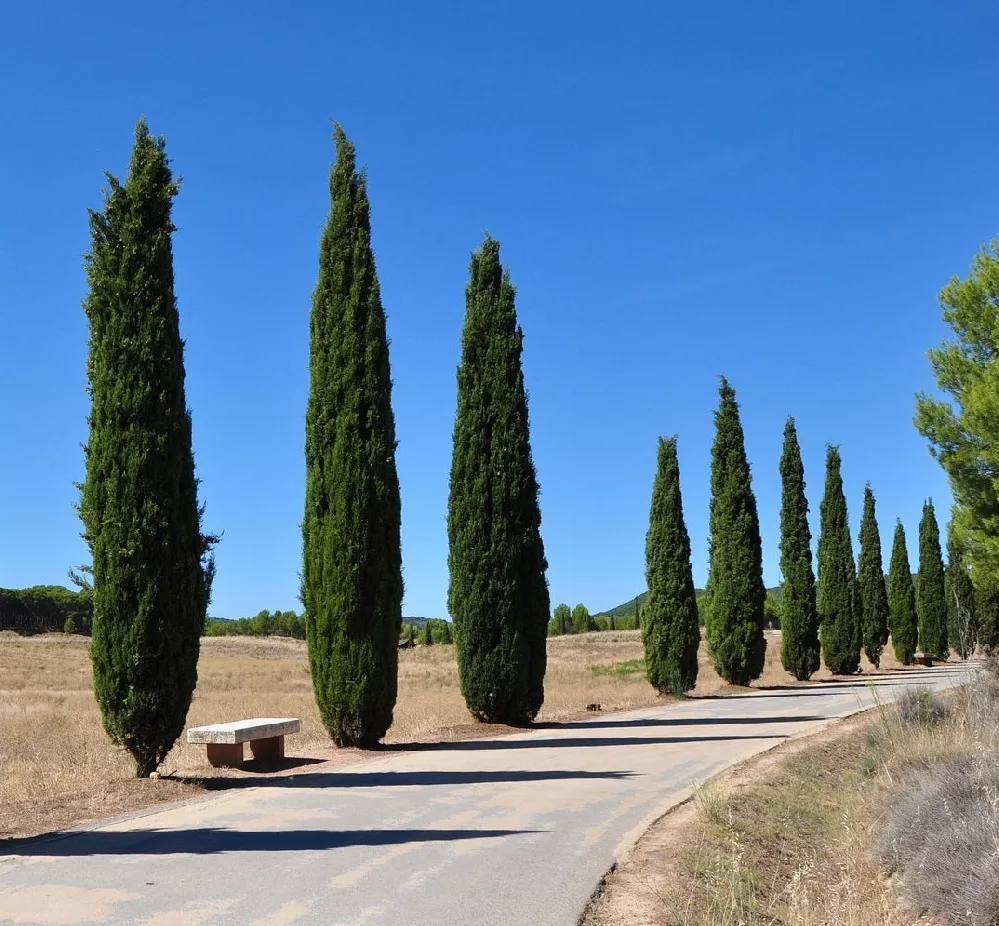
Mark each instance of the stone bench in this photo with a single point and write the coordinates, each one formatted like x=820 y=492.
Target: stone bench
x=926 y=659
x=225 y=740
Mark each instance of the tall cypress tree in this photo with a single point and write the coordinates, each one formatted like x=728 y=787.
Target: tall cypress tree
x=497 y=594
x=873 y=595
x=670 y=631
x=151 y=565
x=799 y=619
x=901 y=600
x=931 y=598
x=837 y=592
x=962 y=617
x=352 y=561
x=735 y=572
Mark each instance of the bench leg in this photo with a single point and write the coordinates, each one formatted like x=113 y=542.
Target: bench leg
x=269 y=749
x=225 y=755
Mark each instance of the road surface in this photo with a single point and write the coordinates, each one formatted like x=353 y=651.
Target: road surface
x=512 y=830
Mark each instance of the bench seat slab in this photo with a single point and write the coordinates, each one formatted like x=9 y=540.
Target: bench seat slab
x=243 y=731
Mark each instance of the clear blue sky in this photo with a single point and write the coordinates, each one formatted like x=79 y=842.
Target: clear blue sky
x=775 y=192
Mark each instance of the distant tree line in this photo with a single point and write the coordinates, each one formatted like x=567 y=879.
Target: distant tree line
x=45 y=608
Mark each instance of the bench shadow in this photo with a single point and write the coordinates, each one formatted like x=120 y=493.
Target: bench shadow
x=266 y=766
x=213 y=841
x=363 y=779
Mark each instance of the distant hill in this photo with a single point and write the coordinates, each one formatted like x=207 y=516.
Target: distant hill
x=627 y=608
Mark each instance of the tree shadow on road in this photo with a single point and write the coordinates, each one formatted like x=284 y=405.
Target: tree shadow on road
x=362 y=779
x=568 y=742
x=211 y=841
x=678 y=722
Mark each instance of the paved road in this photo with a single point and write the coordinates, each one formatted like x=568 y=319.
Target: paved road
x=513 y=830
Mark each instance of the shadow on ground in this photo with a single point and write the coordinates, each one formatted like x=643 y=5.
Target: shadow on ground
x=362 y=779
x=211 y=841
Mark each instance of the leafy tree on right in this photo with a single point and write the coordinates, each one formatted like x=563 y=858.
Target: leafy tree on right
x=837 y=593
x=963 y=428
x=901 y=600
x=873 y=595
x=735 y=571
x=931 y=600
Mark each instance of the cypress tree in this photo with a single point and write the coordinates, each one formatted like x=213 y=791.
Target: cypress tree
x=837 y=597
x=962 y=624
x=873 y=595
x=901 y=600
x=931 y=598
x=497 y=594
x=670 y=631
x=735 y=571
x=352 y=561
x=799 y=619
x=152 y=568
x=446 y=633
x=428 y=635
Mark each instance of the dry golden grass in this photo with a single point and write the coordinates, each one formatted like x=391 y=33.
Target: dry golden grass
x=57 y=766
x=809 y=833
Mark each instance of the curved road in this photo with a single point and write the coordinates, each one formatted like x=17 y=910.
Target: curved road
x=512 y=830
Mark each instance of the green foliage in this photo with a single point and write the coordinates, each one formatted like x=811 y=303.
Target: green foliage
x=151 y=565
x=70 y=626
x=562 y=620
x=962 y=618
x=931 y=596
x=45 y=608
x=352 y=561
x=670 y=630
x=442 y=632
x=582 y=622
x=963 y=429
x=837 y=597
x=428 y=634
x=987 y=614
x=735 y=574
x=497 y=594
x=901 y=600
x=799 y=652
x=264 y=624
x=871 y=581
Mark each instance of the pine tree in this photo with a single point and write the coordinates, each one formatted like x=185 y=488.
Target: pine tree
x=962 y=623
x=901 y=600
x=873 y=595
x=799 y=619
x=837 y=597
x=670 y=633
x=735 y=572
x=428 y=635
x=498 y=594
x=352 y=561
x=931 y=597
x=152 y=567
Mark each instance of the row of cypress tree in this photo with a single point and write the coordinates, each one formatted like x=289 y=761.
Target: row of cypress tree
x=850 y=608
x=152 y=565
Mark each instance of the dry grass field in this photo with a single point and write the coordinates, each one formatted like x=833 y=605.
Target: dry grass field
x=58 y=767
